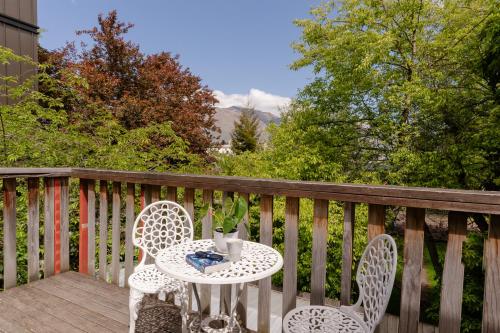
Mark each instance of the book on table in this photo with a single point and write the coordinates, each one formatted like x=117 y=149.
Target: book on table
x=207 y=265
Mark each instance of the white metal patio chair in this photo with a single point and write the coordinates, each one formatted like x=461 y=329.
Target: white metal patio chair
x=375 y=278
x=164 y=223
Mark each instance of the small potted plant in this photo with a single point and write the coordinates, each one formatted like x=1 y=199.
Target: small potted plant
x=226 y=220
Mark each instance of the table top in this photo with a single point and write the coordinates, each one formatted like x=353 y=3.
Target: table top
x=258 y=261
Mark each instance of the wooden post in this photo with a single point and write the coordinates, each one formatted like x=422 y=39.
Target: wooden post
x=189 y=202
x=347 y=245
x=241 y=307
x=155 y=193
x=290 y=259
x=33 y=230
x=83 y=263
x=266 y=237
x=9 y=233
x=172 y=193
x=491 y=302
x=189 y=206
x=115 y=234
x=225 y=290
x=143 y=204
x=376 y=221
x=91 y=226
x=319 y=252
x=148 y=195
x=412 y=270
x=151 y=194
x=57 y=226
x=48 y=239
x=130 y=219
x=206 y=233
x=103 y=229
x=453 y=275
x=64 y=224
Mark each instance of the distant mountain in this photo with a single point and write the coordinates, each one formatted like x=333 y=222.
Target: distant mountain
x=225 y=118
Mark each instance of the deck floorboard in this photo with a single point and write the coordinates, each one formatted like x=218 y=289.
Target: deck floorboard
x=68 y=302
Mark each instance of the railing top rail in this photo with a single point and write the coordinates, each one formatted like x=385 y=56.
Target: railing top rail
x=34 y=172
x=434 y=198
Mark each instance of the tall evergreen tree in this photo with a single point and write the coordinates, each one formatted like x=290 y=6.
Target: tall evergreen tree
x=245 y=136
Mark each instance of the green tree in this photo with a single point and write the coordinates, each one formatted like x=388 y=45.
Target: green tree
x=399 y=92
x=245 y=136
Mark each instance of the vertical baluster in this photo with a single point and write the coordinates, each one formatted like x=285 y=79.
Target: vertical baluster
x=491 y=301
x=206 y=233
x=266 y=237
x=148 y=189
x=225 y=290
x=48 y=224
x=413 y=255
x=376 y=220
x=64 y=182
x=241 y=307
x=189 y=206
x=83 y=232
x=172 y=193
x=9 y=233
x=453 y=275
x=130 y=217
x=103 y=229
x=155 y=193
x=347 y=245
x=151 y=194
x=57 y=225
x=33 y=229
x=189 y=201
x=290 y=260
x=91 y=226
x=115 y=234
x=319 y=251
x=376 y=225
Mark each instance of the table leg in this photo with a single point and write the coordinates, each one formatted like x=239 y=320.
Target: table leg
x=198 y=304
x=233 y=321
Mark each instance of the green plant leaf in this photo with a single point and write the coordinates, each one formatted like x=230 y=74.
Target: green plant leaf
x=240 y=209
x=229 y=224
x=228 y=206
x=218 y=219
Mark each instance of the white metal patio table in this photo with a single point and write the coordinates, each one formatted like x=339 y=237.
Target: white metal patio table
x=258 y=261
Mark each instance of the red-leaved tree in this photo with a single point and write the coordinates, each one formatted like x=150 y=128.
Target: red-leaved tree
x=137 y=89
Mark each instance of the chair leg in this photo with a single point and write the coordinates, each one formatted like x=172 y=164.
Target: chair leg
x=133 y=301
x=184 y=300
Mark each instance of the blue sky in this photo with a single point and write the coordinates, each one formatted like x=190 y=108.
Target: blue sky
x=240 y=48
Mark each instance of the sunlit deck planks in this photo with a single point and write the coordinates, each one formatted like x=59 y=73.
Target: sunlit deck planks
x=69 y=302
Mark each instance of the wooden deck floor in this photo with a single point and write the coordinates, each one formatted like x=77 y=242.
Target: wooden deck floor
x=68 y=302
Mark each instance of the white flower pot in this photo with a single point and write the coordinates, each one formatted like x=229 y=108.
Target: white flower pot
x=220 y=239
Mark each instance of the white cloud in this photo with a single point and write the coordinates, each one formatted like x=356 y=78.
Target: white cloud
x=256 y=98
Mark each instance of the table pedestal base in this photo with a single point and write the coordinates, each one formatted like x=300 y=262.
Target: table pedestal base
x=221 y=323
x=214 y=324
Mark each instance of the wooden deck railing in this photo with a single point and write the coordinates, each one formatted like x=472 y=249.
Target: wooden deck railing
x=459 y=203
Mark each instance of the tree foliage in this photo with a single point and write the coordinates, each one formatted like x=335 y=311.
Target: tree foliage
x=38 y=131
x=137 y=90
x=406 y=93
x=245 y=136
x=404 y=89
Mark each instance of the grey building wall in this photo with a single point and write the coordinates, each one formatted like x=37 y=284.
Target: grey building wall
x=18 y=21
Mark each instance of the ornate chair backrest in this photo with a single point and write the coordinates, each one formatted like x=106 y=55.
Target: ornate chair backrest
x=161 y=225
x=375 y=278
